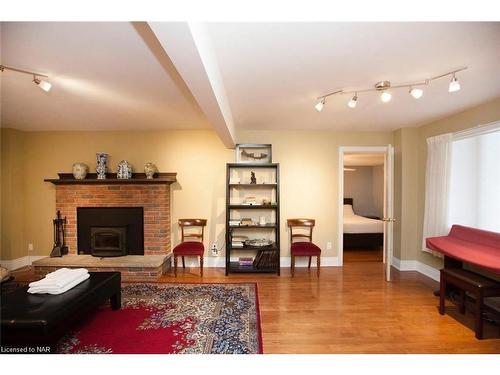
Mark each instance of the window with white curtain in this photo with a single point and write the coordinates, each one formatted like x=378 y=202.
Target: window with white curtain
x=474 y=198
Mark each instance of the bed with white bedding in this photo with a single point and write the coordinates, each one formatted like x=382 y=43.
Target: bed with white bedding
x=361 y=232
x=359 y=224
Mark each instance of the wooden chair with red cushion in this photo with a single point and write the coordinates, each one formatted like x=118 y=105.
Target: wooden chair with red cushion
x=190 y=248
x=303 y=248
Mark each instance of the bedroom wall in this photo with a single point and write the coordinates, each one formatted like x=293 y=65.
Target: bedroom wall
x=366 y=186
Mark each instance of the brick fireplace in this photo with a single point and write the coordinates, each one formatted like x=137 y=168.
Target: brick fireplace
x=155 y=200
x=151 y=195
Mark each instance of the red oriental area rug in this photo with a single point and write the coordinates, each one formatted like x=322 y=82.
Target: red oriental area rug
x=173 y=318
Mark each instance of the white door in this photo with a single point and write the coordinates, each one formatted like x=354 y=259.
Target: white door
x=388 y=210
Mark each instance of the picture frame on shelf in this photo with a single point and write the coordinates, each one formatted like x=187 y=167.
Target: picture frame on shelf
x=253 y=153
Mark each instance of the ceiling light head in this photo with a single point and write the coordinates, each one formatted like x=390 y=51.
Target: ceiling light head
x=416 y=93
x=386 y=96
x=454 y=84
x=44 y=85
x=320 y=105
x=353 y=102
x=382 y=85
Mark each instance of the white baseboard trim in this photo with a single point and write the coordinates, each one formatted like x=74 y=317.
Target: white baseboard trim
x=208 y=262
x=213 y=262
x=14 y=264
x=415 y=265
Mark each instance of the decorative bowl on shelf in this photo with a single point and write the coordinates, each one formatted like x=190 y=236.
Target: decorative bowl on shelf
x=259 y=242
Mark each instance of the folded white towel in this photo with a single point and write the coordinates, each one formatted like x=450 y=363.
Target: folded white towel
x=53 y=290
x=63 y=278
x=62 y=272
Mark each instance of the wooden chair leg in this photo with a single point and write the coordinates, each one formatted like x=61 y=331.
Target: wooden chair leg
x=201 y=266
x=318 y=263
x=183 y=264
x=309 y=265
x=442 y=293
x=293 y=265
x=175 y=265
x=479 y=313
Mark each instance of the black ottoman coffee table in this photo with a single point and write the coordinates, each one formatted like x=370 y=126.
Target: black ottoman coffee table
x=33 y=323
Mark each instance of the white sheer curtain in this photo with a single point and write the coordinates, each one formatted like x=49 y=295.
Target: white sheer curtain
x=475 y=179
x=437 y=186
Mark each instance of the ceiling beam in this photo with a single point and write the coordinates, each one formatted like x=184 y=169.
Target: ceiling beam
x=189 y=48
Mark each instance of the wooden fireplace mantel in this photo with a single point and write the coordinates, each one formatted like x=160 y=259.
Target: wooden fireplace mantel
x=137 y=178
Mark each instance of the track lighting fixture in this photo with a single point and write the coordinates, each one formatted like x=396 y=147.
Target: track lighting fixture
x=416 y=93
x=385 y=96
x=454 y=84
x=319 y=106
x=44 y=85
x=354 y=101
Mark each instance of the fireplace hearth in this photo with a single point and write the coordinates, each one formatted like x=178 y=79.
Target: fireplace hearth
x=110 y=231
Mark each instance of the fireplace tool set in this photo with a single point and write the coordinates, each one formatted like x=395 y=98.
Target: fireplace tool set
x=60 y=247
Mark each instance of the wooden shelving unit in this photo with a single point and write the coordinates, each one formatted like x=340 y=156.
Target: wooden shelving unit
x=272 y=188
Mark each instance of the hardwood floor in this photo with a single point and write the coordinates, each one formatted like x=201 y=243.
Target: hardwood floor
x=353 y=310
x=363 y=255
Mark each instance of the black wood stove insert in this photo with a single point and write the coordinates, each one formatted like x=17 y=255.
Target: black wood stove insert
x=110 y=231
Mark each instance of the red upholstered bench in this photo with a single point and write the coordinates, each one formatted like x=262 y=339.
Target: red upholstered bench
x=474 y=246
x=470 y=245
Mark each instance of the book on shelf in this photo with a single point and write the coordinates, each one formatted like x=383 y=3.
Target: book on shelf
x=234 y=222
x=238 y=241
x=266 y=258
x=245 y=261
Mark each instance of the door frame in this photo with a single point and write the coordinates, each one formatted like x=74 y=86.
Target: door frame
x=340 y=213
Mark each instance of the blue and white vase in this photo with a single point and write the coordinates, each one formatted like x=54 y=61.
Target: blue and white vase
x=124 y=171
x=102 y=165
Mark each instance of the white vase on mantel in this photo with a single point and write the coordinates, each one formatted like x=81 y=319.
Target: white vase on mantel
x=150 y=170
x=80 y=171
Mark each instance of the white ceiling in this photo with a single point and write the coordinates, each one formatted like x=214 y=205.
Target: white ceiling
x=273 y=72
x=104 y=77
x=115 y=76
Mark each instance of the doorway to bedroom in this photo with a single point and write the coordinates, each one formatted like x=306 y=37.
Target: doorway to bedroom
x=365 y=205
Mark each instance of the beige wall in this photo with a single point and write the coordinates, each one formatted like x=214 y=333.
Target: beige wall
x=198 y=157
x=12 y=194
x=309 y=175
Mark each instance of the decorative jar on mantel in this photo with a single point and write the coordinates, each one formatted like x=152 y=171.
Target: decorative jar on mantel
x=80 y=171
x=150 y=170
x=124 y=171
x=102 y=165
